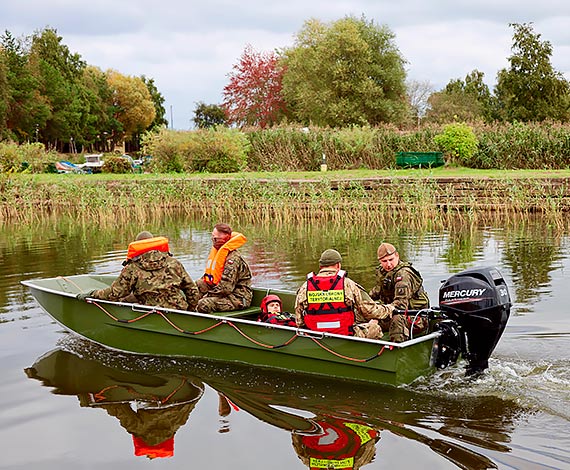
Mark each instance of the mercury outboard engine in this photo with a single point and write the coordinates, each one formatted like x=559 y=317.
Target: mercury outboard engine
x=478 y=300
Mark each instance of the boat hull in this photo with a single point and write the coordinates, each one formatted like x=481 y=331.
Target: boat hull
x=145 y=330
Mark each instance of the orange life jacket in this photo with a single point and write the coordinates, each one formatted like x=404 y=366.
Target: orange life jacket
x=217 y=258
x=327 y=309
x=164 y=449
x=139 y=247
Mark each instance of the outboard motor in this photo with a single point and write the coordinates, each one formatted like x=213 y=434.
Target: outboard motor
x=478 y=300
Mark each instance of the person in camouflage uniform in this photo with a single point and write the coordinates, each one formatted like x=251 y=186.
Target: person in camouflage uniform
x=152 y=426
x=399 y=284
x=233 y=291
x=366 y=311
x=153 y=278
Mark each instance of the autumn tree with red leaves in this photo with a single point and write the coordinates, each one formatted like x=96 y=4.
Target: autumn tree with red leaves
x=253 y=95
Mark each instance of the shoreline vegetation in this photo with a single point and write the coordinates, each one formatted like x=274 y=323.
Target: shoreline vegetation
x=425 y=197
x=499 y=173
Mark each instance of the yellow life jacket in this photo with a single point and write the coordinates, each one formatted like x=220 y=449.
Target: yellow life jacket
x=217 y=258
x=139 y=247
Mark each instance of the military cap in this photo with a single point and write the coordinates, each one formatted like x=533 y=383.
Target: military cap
x=385 y=249
x=144 y=235
x=330 y=257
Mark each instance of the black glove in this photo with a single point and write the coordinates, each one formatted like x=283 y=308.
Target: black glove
x=83 y=295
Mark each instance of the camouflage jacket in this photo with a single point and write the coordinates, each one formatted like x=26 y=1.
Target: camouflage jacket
x=153 y=425
x=154 y=278
x=402 y=287
x=235 y=282
x=356 y=297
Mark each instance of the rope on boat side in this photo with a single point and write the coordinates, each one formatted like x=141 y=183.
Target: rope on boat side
x=222 y=322
x=348 y=358
x=120 y=320
x=181 y=330
x=268 y=346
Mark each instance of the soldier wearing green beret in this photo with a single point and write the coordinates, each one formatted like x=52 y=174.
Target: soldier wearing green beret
x=399 y=284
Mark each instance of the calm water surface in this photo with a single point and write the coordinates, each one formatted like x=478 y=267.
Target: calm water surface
x=69 y=404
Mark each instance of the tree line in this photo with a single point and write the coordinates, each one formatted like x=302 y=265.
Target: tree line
x=50 y=95
x=350 y=72
x=345 y=73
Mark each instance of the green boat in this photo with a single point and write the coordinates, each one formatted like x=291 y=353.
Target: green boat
x=473 y=312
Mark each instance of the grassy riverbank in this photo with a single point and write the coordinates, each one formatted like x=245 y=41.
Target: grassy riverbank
x=432 y=195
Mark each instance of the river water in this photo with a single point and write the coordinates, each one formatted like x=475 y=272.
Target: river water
x=69 y=404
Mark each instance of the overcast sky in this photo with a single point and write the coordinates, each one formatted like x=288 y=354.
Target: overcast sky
x=189 y=46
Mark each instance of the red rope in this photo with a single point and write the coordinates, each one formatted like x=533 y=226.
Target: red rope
x=100 y=395
x=258 y=343
x=171 y=394
x=348 y=358
x=177 y=328
x=132 y=320
x=268 y=346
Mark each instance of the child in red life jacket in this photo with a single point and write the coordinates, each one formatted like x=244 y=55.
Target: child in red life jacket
x=271 y=312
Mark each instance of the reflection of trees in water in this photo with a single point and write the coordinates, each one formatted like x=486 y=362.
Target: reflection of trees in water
x=282 y=253
x=463 y=245
x=531 y=259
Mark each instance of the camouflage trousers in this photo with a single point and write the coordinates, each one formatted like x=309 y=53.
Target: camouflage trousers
x=367 y=330
x=399 y=327
x=217 y=304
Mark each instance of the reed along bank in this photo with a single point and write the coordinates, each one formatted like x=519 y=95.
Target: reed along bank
x=433 y=195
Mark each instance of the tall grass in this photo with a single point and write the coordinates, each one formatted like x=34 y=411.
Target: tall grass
x=501 y=146
x=522 y=145
x=295 y=149
x=292 y=148
x=424 y=201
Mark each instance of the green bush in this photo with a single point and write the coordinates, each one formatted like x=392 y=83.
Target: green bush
x=26 y=158
x=459 y=143
x=115 y=164
x=219 y=150
x=301 y=149
x=544 y=145
x=166 y=149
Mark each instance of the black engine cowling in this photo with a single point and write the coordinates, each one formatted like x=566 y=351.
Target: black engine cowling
x=478 y=300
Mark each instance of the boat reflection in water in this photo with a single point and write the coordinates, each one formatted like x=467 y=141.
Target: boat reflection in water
x=149 y=407
x=333 y=424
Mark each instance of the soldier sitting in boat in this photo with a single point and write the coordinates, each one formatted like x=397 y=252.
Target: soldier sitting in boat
x=271 y=307
x=330 y=301
x=399 y=284
x=151 y=276
x=226 y=284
